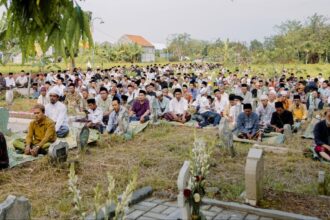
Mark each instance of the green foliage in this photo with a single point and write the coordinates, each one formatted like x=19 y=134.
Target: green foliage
x=60 y=24
x=296 y=41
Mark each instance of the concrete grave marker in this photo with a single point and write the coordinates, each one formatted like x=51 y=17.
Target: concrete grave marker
x=226 y=136
x=183 y=181
x=254 y=169
x=4 y=115
x=15 y=208
x=82 y=138
x=58 y=151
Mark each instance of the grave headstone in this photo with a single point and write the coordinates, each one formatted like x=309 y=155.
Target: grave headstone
x=322 y=186
x=287 y=131
x=82 y=138
x=254 y=169
x=58 y=151
x=4 y=115
x=226 y=136
x=182 y=182
x=15 y=208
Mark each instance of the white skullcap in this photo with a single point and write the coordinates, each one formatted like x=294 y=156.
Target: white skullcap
x=159 y=93
x=55 y=91
x=284 y=93
x=263 y=97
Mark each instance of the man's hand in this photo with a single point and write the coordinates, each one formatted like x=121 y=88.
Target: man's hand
x=142 y=119
x=34 y=151
x=249 y=136
x=27 y=150
x=326 y=147
x=183 y=120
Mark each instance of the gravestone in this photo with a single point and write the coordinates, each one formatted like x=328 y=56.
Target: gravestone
x=9 y=97
x=58 y=151
x=287 y=131
x=15 y=208
x=254 y=169
x=82 y=138
x=154 y=110
x=322 y=186
x=4 y=115
x=183 y=181
x=226 y=136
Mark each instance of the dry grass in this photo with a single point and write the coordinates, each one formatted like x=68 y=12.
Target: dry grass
x=157 y=155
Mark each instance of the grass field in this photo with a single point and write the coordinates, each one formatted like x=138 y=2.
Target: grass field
x=268 y=69
x=157 y=155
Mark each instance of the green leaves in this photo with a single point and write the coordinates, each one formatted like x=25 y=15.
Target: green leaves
x=61 y=24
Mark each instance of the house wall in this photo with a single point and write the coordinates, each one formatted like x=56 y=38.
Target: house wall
x=148 y=54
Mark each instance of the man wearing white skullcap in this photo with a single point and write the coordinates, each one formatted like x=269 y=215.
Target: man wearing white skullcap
x=163 y=103
x=57 y=111
x=264 y=111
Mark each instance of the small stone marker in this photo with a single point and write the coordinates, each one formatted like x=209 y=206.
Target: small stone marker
x=322 y=188
x=15 y=208
x=58 y=151
x=226 y=136
x=4 y=115
x=82 y=138
x=287 y=131
x=254 y=169
x=182 y=183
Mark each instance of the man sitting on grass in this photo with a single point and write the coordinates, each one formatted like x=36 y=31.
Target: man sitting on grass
x=281 y=118
x=322 y=136
x=248 y=123
x=118 y=119
x=41 y=134
x=178 y=108
x=140 y=109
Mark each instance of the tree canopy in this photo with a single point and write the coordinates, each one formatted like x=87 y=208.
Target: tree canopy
x=296 y=41
x=60 y=24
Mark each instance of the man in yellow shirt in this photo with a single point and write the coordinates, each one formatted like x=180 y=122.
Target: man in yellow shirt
x=298 y=109
x=41 y=134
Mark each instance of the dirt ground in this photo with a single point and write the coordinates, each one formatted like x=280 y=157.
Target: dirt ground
x=157 y=155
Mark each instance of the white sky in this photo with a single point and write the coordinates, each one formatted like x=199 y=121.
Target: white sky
x=242 y=20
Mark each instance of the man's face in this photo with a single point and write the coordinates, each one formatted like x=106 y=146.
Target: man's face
x=279 y=110
x=244 y=90
x=43 y=93
x=115 y=106
x=71 y=89
x=38 y=114
x=160 y=97
x=92 y=106
x=53 y=98
x=218 y=95
x=130 y=89
x=104 y=95
x=296 y=101
x=141 y=97
x=272 y=96
x=178 y=95
x=248 y=111
x=324 y=85
x=264 y=102
x=85 y=94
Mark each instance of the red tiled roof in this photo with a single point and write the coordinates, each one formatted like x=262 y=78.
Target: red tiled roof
x=139 y=40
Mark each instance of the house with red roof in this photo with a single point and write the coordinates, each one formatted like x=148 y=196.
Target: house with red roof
x=148 y=54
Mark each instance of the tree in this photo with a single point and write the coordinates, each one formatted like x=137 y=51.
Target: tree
x=60 y=24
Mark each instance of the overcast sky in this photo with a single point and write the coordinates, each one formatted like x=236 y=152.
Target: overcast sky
x=242 y=20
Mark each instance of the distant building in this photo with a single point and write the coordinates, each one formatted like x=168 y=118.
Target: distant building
x=148 y=54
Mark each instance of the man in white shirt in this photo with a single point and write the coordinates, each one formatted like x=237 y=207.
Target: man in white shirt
x=245 y=94
x=10 y=82
x=205 y=111
x=95 y=116
x=220 y=102
x=43 y=98
x=57 y=111
x=178 y=108
x=265 y=112
x=22 y=80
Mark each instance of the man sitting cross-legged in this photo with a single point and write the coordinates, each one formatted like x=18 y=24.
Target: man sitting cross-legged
x=322 y=136
x=281 y=118
x=95 y=116
x=178 y=108
x=118 y=118
x=140 y=109
x=41 y=134
x=248 y=123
